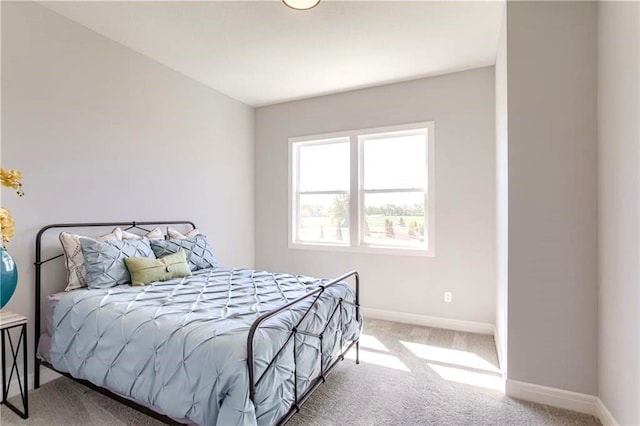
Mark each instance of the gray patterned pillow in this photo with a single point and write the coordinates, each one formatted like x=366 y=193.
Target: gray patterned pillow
x=76 y=272
x=104 y=260
x=198 y=251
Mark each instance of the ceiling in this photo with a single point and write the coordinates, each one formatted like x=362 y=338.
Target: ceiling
x=263 y=52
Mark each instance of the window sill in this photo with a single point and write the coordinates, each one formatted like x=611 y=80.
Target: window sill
x=394 y=251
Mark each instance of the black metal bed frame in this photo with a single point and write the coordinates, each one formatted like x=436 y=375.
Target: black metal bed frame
x=253 y=381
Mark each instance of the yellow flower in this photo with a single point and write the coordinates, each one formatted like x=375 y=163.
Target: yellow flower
x=6 y=225
x=11 y=179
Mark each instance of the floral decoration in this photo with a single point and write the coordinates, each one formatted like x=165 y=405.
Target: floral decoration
x=10 y=179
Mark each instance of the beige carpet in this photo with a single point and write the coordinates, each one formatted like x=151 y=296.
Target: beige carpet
x=408 y=376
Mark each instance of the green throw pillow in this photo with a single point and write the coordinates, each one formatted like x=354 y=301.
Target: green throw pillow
x=145 y=271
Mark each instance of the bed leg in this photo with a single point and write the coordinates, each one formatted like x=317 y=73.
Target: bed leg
x=36 y=374
x=358 y=352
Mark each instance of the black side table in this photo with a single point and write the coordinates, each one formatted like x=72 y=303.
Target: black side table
x=8 y=323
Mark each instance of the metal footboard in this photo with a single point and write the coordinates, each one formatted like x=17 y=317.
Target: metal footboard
x=298 y=400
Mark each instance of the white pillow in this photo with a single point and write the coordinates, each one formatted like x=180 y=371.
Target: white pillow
x=76 y=271
x=153 y=235
x=175 y=235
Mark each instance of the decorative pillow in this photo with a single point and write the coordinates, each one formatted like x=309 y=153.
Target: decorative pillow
x=104 y=260
x=76 y=271
x=175 y=235
x=145 y=271
x=198 y=251
x=154 y=234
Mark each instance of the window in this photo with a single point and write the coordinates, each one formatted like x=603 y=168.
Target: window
x=365 y=190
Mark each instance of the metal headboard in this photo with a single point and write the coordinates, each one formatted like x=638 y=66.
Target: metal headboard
x=39 y=262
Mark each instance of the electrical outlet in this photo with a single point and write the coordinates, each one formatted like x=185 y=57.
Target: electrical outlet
x=448 y=297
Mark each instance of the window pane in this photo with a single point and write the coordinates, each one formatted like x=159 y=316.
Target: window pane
x=324 y=167
x=324 y=218
x=394 y=219
x=395 y=162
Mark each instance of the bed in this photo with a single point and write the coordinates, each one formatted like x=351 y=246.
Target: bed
x=221 y=346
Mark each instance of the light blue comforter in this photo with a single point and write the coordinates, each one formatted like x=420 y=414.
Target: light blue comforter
x=180 y=346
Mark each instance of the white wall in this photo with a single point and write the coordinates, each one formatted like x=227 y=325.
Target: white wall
x=502 y=195
x=462 y=106
x=619 y=209
x=102 y=133
x=552 y=134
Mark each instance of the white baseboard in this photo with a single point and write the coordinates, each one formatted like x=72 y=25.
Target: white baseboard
x=496 y=341
x=560 y=398
x=428 y=321
x=605 y=416
x=46 y=375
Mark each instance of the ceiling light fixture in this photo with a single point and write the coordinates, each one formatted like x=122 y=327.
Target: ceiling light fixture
x=301 y=4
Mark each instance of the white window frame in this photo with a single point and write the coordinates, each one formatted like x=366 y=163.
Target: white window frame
x=356 y=192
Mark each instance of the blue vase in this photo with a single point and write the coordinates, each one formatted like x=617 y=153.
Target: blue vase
x=8 y=277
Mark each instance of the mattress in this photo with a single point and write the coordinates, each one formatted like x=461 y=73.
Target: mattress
x=181 y=345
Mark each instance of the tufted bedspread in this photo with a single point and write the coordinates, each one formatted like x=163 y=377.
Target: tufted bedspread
x=180 y=346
